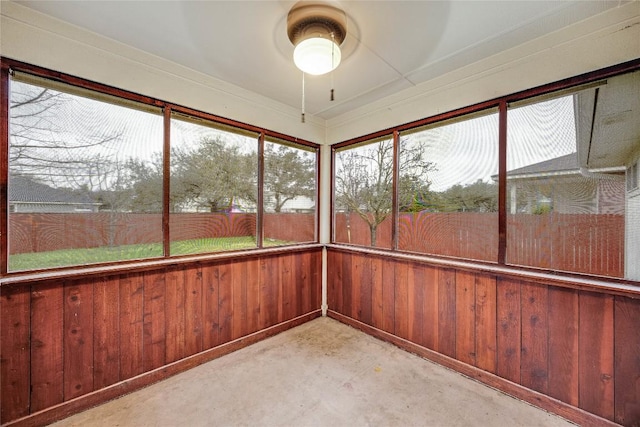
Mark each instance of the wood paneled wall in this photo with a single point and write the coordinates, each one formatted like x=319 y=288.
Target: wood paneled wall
x=576 y=346
x=61 y=339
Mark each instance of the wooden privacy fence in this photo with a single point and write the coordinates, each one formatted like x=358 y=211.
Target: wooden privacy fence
x=465 y=235
x=290 y=227
x=584 y=243
x=350 y=228
x=42 y=232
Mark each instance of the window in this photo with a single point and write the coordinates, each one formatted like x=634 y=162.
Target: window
x=363 y=194
x=566 y=180
x=447 y=189
x=79 y=191
x=87 y=169
x=214 y=187
x=289 y=193
x=570 y=201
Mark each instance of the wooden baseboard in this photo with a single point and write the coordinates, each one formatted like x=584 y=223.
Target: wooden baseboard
x=106 y=394
x=518 y=391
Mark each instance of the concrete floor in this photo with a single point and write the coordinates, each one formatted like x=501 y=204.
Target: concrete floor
x=322 y=373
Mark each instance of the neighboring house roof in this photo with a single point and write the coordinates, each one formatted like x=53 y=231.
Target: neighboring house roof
x=555 y=166
x=25 y=190
x=563 y=165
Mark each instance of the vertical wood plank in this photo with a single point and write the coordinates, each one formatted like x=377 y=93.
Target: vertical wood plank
x=131 y=325
x=154 y=322
x=534 y=371
x=388 y=295
x=78 y=338
x=596 y=372
x=465 y=317
x=303 y=272
x=210 y=326
x=508 y=338
x=486 y=340
x=357 y=265
x=366 y=291
x=430 y=308
x=315 y=278
x=277 y=288
x=447 y=312
x=106 y=332
x=346 y=284
x=563 y=345
x=47 y=329
x=174 y=314
x=288 y=287
x=334 y=281
x=193 y=311
x=269 y=273
x=377 y=299
x=15 y=307
x=415 y=303
x=253 y=295
x=225 y=302
x=401 y=319
x=239 y=279
x=627 y=361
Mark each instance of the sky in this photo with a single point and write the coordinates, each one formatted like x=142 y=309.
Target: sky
x=462 y=152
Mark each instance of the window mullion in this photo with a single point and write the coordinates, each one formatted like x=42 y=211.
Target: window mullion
x=4 y=167
x=166 y=182
x=394 y=200
x=502 y=182
x=260 y=209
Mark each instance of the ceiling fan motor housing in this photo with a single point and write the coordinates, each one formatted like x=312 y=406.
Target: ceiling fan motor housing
x=309 y=19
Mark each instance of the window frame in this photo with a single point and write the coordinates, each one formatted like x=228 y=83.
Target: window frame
x=9 y=66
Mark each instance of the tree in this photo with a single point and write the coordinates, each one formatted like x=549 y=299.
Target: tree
x=477 y=197
x=76 y=142
x=145 y=184
x=364 y=180
x=288 y=174
x=49 y=144
x=214 y=174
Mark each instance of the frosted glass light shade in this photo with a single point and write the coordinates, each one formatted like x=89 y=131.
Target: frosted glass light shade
x=316 y=55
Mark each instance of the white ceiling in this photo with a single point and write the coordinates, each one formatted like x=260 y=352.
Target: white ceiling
x=390 y=45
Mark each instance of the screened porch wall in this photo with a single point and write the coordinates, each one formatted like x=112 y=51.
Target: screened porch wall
x=573 y=345
x=70 y=343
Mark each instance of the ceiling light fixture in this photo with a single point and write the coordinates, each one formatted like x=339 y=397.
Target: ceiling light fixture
x=316 y=30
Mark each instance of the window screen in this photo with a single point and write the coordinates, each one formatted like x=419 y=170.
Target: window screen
x=363 y=194
x=214 y=187
x=289 y=193
x=566 y=163
x=81 y=183
x=448 y=190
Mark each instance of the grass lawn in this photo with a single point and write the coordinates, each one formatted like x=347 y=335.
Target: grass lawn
x=69 y=257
